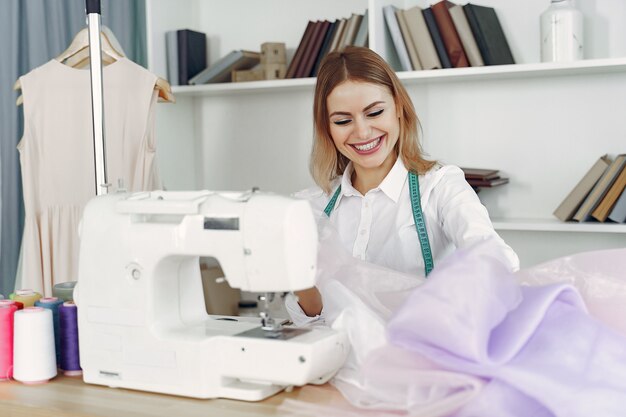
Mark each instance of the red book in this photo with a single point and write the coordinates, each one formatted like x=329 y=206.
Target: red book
x=313 y=49
x=451 y=38
x=297 y=57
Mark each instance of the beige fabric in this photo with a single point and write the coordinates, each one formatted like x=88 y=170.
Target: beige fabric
x=57 y=159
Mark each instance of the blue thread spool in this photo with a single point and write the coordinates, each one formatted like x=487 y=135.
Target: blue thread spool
x=68 y=326
x=53 y=303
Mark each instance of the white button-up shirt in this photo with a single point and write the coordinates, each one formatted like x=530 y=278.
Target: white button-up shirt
x=378 y=227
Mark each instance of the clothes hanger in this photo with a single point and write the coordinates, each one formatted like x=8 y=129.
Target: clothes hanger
x=77 y=56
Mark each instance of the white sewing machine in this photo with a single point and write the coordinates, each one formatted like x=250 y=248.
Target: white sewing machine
x=142 y=320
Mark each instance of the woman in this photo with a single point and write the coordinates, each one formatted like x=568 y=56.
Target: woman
x=390 y=205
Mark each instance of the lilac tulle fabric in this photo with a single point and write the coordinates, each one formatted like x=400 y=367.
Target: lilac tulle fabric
x=540 y=351
x=476 y=339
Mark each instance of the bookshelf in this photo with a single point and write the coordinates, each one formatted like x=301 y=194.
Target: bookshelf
x=541 y=124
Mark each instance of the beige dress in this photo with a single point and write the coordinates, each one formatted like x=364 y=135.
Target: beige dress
x=57 y=158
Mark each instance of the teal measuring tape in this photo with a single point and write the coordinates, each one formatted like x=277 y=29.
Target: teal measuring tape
x=418 y=217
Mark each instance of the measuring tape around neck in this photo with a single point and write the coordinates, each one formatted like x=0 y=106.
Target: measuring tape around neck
x=418 y=217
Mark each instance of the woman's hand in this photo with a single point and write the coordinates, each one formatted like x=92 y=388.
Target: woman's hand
x=310 y=301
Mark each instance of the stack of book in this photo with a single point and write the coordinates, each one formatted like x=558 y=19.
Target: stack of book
x=321 y=37
x=600 y=195
x=447 y=35
x=186 y=52
x=482 y=177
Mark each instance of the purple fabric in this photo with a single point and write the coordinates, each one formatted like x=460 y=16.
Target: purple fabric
x=541 y=352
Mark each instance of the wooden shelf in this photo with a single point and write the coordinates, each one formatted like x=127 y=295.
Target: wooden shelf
x=494 y=72
x=554 y=225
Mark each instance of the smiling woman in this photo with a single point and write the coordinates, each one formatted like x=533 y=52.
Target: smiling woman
x=386 y=200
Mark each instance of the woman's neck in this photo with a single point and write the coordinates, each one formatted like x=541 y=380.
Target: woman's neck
x=365 y=179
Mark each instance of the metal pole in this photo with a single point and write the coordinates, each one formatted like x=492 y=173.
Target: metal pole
x=92 y=8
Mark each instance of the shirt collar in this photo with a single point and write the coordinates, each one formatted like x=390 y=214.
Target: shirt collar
x=391 y=185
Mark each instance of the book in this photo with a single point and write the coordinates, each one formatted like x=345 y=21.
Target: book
x=312 y=49
x=568 y=207
x=618 y=213
x=488 y=183
x=351 y=27
x=192 y=54
x=334 y=43
x=220 y=71
x=421 y=38
x=600 y=189
x=293 y=65
x=467 y=37
x=480 y=173
x=408 y=40
x=361 y=35
x=601 y=213
x=389 y=12
x=449 y=35
x=171 y=51
x=325 y=47
x=488 y=34
x=431 y=24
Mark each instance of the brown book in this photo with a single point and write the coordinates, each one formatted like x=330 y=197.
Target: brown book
x=488 y=183
x=575 y=198
x=450 y=36
x=297 y=56
x=600 y=189
x=608 y=202
x=480 y=173
x=313 y=49
x=408 y=40
x=467 y=37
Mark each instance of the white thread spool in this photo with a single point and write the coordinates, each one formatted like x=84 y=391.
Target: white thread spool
x=34 y=355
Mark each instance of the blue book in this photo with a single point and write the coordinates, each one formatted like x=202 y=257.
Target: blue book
x=431 y=23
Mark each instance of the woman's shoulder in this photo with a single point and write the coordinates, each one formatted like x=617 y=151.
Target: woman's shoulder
x=316 y=196
x=441 y=174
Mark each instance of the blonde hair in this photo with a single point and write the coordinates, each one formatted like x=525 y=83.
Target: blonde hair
x=363 y=65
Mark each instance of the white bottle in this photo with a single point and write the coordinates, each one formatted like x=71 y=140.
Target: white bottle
x=561 y=32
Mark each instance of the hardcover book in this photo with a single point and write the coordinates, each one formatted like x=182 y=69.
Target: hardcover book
x=361 y=35
x=325 y=47
x=601 y=213
x=566 y=210
x=192 y=54
x=467 y=37
x=618 y=213
x=313 y=48
x=488 y=33
x=297 y=56
x=600 y=189
x=221 y=71
x=435 y=35
x=408 y=40
x=480 y=173
x=450 y=36
x=421 y=38
x=396 y=36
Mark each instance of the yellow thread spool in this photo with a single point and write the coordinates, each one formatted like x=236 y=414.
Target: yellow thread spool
x=26 y=297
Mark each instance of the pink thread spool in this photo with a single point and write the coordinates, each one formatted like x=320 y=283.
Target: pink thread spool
x=7 y=310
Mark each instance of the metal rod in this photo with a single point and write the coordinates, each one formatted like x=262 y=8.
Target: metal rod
x=97 y=99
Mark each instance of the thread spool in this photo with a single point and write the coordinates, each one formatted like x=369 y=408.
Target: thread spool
x=17 y=304
x=6 y=340
x=68 y=326
x=26 y=297
x=34 y=359
x=64 y=290
x=53 y=303
x=1 y=297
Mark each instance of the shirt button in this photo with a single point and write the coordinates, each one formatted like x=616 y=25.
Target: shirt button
x=366 y=204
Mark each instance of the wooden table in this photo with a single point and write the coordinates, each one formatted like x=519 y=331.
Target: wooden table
x=71 y=397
